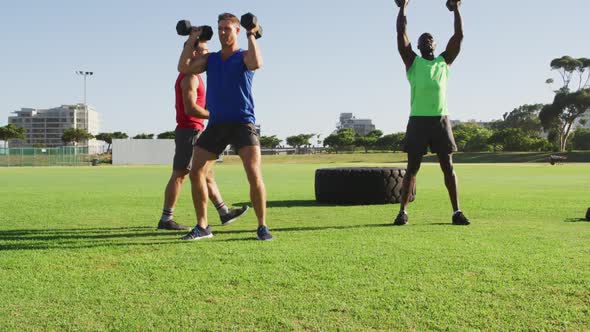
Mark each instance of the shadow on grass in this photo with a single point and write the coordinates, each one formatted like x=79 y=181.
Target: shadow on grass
x=300 y=203
x=575 y=220
x=81 y=238
x=298 y=229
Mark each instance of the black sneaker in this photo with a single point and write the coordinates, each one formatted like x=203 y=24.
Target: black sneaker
x=263 y=234
x=460 y=219
x=171 y=225
x=401 y=219
x=232 y=215
x=198 y=233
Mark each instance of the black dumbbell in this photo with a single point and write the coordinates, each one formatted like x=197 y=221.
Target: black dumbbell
x=184 y=28
x=249 y=21
x=452 y=4
x=399 y=3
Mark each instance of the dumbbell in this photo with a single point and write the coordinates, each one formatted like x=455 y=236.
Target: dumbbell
x=399 y=3
x=452 y=4
x=184 y=28
x=249 y=21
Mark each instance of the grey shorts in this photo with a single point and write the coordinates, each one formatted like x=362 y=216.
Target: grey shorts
x=185 y=140
x=434 y=132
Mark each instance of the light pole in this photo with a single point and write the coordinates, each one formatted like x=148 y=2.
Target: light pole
x=84 y=73
x=87 y=120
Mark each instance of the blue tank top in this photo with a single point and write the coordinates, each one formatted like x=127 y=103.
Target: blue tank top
x=229 y=89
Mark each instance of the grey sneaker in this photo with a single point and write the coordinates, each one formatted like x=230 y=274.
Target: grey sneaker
x=198 y=233
x=401 y=219
x=263 y=234
x=171 y=225
x=232 y=215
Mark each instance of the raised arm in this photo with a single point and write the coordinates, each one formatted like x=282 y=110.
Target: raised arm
x=454 y=45
x=187 y=64
x=189 y=85
x=253 y=56
x=403 y=42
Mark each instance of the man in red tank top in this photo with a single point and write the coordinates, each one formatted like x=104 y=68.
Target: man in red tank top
x=190 y=117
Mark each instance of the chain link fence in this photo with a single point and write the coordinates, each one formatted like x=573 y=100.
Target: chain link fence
x=59 y=156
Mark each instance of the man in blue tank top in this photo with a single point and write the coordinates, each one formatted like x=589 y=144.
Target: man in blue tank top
x=231 y=117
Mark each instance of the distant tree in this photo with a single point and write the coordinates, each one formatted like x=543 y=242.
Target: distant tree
x=109 y=137
x=346 y=136
x=144 y=136
x=561 y=115
x=391 y=142
x=472 y=137
x=568 y=105
x=581 y=139
x=270 y=142
x=343 y=138
x=514 y=139
x=332 y=142
x=525 y=117
x=167 y=135
x=119 y=135
x=75 y=135
x=375 y=133
x=567 y=67
x=368 y=141
x=10 y=132
x=300 y=140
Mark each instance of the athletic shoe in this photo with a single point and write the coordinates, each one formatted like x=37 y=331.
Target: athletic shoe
x=198 y=233
x=460 y=219
x=401 y=219
x=232 y=215
x=171 y=225
x=263 y=234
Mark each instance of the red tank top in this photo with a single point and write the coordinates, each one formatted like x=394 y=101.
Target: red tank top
x=184 y=121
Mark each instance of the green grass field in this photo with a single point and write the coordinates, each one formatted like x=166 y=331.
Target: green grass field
x=79 y=251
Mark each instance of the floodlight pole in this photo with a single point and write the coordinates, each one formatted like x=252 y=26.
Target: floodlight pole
x=84 y=73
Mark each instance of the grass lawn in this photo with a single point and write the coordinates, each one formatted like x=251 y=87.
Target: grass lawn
x=79 y=251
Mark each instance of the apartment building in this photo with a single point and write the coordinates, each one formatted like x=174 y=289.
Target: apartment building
x=360 y=126
x=45 y=127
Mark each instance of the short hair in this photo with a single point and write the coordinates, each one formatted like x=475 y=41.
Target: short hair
x=425 y=35
x=227 y=16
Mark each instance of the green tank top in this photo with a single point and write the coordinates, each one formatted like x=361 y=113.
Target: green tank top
x=428 y=82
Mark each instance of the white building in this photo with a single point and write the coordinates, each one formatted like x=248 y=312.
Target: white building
x=45 y=127
x=360 y=126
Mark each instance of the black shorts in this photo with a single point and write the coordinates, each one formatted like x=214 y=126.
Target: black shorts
x=434 y=132
x=183 y=154
x=217 y=136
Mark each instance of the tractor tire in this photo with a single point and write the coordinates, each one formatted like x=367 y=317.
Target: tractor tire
x=359 y=185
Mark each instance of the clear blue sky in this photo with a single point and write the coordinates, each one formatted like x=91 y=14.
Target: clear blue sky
x=321 y=58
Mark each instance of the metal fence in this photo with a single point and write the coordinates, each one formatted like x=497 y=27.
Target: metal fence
x=59 y=156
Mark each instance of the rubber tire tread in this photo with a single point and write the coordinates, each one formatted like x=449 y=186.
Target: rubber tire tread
x=360 y=185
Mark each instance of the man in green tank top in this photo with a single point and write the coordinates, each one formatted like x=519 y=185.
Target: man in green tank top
x=429 y=126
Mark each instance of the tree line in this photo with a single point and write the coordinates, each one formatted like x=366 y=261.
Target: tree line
x=537 y=127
